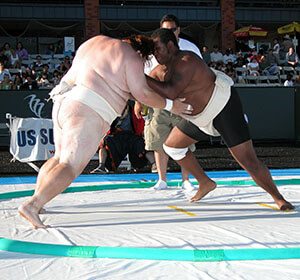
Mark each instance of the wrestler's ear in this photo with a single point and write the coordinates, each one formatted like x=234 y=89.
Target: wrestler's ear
x=170 y=45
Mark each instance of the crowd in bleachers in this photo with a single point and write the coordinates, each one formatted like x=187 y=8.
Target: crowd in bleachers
x=21 y=70
x=276 y=66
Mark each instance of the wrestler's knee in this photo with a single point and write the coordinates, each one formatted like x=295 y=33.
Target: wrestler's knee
x=72 y=171
x=251 y=163
x=175 y=153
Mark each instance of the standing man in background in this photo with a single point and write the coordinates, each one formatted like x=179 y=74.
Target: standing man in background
x=160 y=122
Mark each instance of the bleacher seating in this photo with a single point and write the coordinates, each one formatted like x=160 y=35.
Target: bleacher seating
x=274 y=79
x=262 y=80
x=289 y=70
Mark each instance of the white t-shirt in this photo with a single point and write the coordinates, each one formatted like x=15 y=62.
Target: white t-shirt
x=228 y=58
x=276 y=48
x=288 y=83
x=183 y=44
x=3 y=73
x=215 y=57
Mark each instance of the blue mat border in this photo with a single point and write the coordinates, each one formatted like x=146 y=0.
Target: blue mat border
x=146 y=176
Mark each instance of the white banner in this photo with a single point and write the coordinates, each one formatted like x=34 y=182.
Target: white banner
x=31 y=139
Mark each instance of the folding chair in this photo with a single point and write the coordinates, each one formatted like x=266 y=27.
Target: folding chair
x=289 y=70
x=273 y=79
x=283 y=78
x=251 y=79
x=262 y=80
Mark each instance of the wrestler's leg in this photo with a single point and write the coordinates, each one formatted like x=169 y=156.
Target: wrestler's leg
x=245 y=155
x=177 y=139
x=80 y=137
x=52 y=162
x=45 y=169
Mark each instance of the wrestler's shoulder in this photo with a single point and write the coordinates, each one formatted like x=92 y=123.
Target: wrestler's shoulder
x=190 y=57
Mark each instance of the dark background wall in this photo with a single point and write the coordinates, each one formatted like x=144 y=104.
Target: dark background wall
x=271 y=111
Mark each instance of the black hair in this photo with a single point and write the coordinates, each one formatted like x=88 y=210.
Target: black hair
x=165 y=35
x=170 y=17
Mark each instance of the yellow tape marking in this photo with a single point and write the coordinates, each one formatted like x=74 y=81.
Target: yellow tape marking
x=181 y=210
x=272 y=207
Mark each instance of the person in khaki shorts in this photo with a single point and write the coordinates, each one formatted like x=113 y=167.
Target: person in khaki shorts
x=158 y=126
x=159 y=122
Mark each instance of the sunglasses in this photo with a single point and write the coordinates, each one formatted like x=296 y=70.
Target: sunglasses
x=173 y=29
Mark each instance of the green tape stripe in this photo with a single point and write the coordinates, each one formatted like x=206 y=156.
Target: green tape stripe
x=142 y=185
x=148 y=253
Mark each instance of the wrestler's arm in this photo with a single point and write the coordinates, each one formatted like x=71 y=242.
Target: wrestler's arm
x=138 y=86
x=140 y=90
x=138 y=106
x=180 y=79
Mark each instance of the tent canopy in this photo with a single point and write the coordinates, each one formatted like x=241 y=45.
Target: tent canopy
x=289 y=28
x=250 y=31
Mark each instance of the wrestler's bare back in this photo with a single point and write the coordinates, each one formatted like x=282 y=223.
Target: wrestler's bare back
x=100 y=65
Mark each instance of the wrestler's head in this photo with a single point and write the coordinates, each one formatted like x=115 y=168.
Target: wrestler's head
x=165 y=43
x=142 y=44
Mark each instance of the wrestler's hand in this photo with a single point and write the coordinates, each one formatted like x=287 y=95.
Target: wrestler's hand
x=180 y=108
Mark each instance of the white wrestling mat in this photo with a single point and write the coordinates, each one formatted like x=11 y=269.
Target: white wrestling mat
x=129 y=231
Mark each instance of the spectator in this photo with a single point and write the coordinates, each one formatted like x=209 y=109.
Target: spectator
x=264 y=66
x=289 y=81
x=259 y=55
x=6 y=83
x=4 y=58
x=7 y=50
x=297 y=81
x=37 y=66
x=30 y=83
x=56 y=77
x=65 y=65
x=17 y=81
x=292 y=58
x=216 y=56
x=253 y=67
x=125 y=137
x=60 y=47
x=45 y=71
x=271 y=64
x=21 y=51
x=28 y=72
x=205 y=54
x=229 y=70
x=43 y=80
x=248 y=55
x=240 y=60
x=3 y=72
x=287 y=44
x=219 y=66
x=276 y=49
x=50 y=50
x=228 y=57
x=14 y=59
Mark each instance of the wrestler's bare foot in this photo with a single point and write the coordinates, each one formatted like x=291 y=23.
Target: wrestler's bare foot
x=204 y=190
x=284 y=205
x=31 y=213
